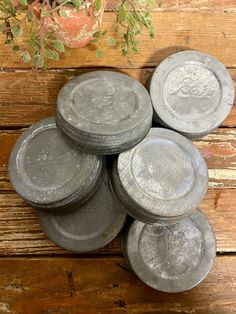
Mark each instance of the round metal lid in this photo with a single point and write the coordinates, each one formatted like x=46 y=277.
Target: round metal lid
x=172 y=258
x=132 y=209
x=103 y=103
x=165 y=174
x=91 y=227
x=191 y=92
x=106 y=146
x=45 y=168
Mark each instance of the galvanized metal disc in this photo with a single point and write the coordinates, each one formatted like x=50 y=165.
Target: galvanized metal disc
x=103 y=102
x=165 y=175
x=192 y=93
x=91 y=227
x=46 y=169
x=133 y=209
x=172 y=258
x=106 y=145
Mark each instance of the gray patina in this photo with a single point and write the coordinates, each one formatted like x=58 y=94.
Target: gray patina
x=192 y=93
x=104 y=112
x=171 y=258
x=49 y=171
x=163 y=178
x=91 y=226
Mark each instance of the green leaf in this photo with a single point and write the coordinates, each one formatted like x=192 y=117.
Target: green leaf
x=122 y=13
x=104 y=32
x=16 y=31
x=16 y=48
x=96 y=35
x=98 y=4
x=38 y=61
x=30 y=16
x=2 y=27
x=137 y=42
x=161 y=3
x=77 y=4
x=67 y=53
x=99 y=53
x=135 y=49
x=23 y=2
x=142 y=2
x=111 y=41
x=8 y=42
x=51 y=54
x=132 y=20
x=63 y=13
x=58 y=45
x=26 y=57
x=124 y=51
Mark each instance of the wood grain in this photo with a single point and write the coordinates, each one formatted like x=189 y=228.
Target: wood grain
x=106 y=285
x=210 y=32
x=187 y=5
x=22 y=235
x=22 y=104
x=218 y=148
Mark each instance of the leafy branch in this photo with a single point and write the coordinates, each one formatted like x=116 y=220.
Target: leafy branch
x=19 y=19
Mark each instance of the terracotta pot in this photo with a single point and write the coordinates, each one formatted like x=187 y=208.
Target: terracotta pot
x=76 y=30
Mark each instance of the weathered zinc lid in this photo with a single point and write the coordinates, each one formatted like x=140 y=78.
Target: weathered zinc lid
x=108 y=145
x=192 y=93
x=171 y=258
x=104 y=111
x=91 y=227
x=49 y=171
x=133 y=209
x=164 y=176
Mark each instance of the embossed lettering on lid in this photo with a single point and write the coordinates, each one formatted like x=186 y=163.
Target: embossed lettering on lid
x=45 y=168
x=171 y=258
x=164 y=176
x=191 y=92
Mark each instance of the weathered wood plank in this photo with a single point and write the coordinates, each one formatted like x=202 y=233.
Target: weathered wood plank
x=218 y=148
x=209 y=32
x=22 y=235
x=100 y=285
x=22 y=104
x=187 y=5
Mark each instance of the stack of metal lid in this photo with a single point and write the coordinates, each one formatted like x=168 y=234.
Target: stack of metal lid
x=192 y=93
x=91 y=226
x=50 y=172
x=162 y=179
x=171 y=258
x=104 y=112
x=159 y=177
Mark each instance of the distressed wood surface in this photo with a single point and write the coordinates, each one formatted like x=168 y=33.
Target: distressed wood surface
x=187 y=5
x=218 y=149
x=101 y=282
x=210 y=32
x=21 y=234
x=102 y=285
x=22 y=104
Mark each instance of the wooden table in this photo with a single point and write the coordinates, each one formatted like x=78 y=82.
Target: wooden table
x=38 y=277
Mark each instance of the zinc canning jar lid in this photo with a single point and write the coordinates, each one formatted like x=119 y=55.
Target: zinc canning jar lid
x=164 y=177
x=104 y=112
x=49 y=171
x=192 y=93
x=174 y=258
x=92 y=226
